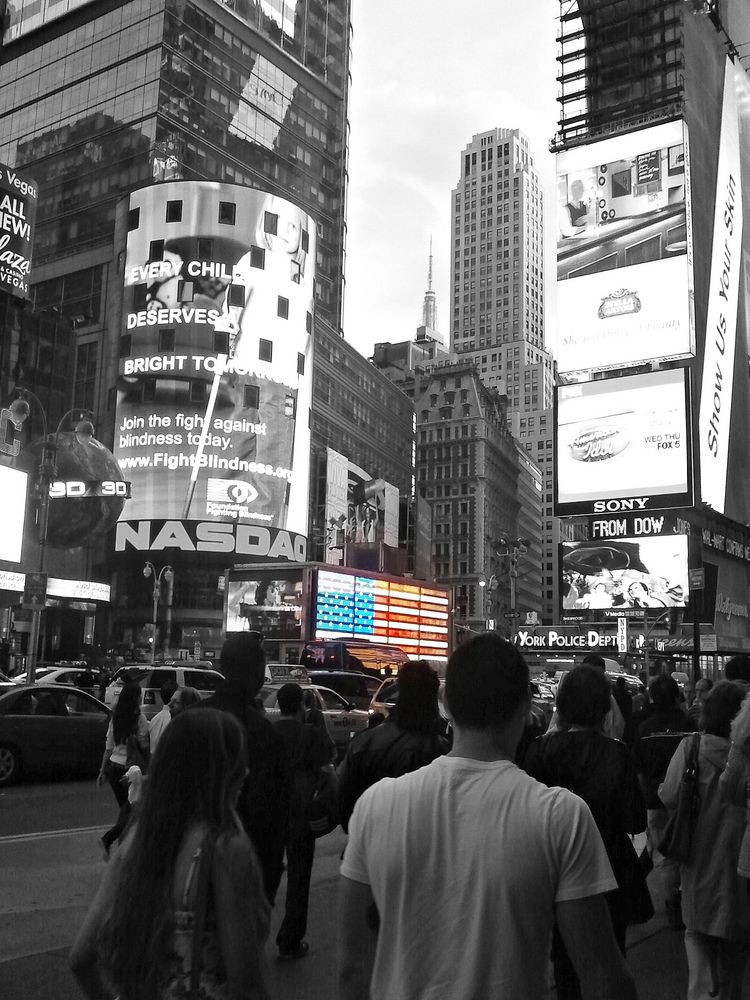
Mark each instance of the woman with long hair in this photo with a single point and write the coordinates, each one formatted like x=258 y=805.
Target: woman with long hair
x=127 y=744
x=181 y=911
x=715 y=905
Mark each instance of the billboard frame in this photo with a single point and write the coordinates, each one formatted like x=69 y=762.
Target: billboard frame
x=598 y=506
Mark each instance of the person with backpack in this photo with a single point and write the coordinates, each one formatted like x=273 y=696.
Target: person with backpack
x=413 y=735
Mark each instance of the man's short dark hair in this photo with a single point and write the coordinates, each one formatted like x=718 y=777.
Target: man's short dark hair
x=737 y=668
x=583 y=698
x=243 y=663
x=166 y=691
x=290 y=698
x=664 y=691
x=720 y=706
x=418 y=686
x=594 y=660
x=486 y=681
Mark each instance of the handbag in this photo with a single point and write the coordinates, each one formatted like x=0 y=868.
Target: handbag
x=135 y=754
x=322 y=813
x=677 y=840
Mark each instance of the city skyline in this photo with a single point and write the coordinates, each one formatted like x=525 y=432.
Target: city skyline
x=410 y=119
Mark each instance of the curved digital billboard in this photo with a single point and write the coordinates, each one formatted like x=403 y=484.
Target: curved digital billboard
x=215 y=370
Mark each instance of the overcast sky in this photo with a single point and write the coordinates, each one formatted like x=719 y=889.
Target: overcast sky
x=427 y=75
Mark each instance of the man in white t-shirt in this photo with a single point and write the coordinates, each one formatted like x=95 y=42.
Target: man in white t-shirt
x=454 y=874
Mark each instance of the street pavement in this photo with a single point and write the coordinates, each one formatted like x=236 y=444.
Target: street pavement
x=48 y=879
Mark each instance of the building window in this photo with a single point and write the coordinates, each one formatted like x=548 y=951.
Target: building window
x=252 y=397
x=134 y=219
x=197 y=391
x=205 y=249
x=156 y=250
x=236 y=295
x=227 y=213
x=257 y=257
x=126 y=345
x=174 y=211
x=282 y=307
x=221 y=343
x=300 y=364
x=166 y=341
x=265 y=350
x=270 y=223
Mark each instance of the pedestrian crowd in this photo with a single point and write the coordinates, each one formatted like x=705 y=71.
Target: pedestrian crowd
x=484 y=859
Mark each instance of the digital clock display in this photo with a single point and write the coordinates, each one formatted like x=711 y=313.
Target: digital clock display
x=404 y=614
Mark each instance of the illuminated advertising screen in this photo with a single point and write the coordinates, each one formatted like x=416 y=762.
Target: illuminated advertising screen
x=402 y=613
x=623 y=254
x=623 y=444
x=723 y=292
x=265 y=600
x=358 y=508
x=605 y=576
x=13 y=493
x=18 y=198
x=215 y=371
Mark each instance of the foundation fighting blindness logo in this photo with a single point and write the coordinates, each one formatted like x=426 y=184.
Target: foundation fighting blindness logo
x=232 y=492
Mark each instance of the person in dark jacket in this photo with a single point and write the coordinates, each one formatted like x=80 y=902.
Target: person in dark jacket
x=656 y=740
x=263 y=805
x=307 y=751
x=411 y=737
x=600 y=770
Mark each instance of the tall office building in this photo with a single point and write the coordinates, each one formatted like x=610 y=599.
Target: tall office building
x=101 y=99
x=497 y=302
x=653 y=172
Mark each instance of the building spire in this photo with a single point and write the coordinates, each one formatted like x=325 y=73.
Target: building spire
x=429 y=308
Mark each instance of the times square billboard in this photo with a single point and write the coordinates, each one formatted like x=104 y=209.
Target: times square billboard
x=215 y=372
x=624 y=251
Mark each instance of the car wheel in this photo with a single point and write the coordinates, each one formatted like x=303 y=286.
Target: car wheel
x=10 y=765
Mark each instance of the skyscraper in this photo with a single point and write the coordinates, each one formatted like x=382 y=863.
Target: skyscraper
x=103 y=99
x=497 y=301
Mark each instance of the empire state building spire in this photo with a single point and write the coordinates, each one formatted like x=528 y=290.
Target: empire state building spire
x=429 y=308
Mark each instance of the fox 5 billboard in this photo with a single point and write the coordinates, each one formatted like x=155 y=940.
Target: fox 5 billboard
x=215 y=369
x=624 y=261
x=623 y=444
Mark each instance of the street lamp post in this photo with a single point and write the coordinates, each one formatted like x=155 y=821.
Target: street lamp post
x=166 y=573
x=20 y=411
x=513 y=549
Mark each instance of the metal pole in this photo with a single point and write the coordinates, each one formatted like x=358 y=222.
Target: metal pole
x=154 y=617
x=513 y=575
x=46 y=475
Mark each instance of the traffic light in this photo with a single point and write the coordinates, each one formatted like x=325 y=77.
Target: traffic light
x=674 y=621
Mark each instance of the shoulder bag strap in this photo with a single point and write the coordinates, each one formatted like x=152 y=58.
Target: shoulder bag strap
x=201 y=907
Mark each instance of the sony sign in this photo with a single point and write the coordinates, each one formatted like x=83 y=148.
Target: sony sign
x=616 y=506
x=255 y=541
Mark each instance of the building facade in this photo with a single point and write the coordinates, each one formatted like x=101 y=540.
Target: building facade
x=625 y=68
x=497 y=301
x=108 y=98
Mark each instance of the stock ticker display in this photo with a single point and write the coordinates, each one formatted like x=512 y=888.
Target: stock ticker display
x=395 y=613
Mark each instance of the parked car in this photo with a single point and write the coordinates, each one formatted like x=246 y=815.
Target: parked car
x=62 y=675
x=206 y=682
x=354 y=687
x=345 y=720
x=50 y=729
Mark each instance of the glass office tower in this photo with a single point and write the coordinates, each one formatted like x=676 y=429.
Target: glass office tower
x=101 y=98
x=109 y=97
